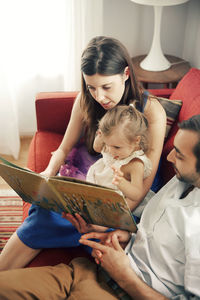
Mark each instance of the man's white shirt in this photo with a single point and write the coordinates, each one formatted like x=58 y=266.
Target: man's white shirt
x=165 y=252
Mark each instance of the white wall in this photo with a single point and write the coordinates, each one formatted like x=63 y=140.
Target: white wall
x=133 y=24
x=191 y=49
x=26 y=100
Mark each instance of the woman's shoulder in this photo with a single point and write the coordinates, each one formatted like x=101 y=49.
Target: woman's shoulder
x=77 y=107
x=154 y=108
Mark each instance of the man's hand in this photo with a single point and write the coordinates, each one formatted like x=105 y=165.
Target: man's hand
x=81 y=225
x=114 y=260
x=111 y=257
x=105 y=238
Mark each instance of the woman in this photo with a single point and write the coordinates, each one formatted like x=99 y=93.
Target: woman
x=107 y=80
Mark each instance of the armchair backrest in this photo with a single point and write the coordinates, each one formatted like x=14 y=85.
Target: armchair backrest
x=53 y=110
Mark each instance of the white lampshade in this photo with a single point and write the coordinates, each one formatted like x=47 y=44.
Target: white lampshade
x=160 y=2
x=155 y=60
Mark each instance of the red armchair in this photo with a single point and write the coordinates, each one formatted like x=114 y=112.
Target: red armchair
x=53 y=113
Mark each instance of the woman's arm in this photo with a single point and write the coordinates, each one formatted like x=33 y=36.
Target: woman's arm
x=156 y=117
x=72 y=135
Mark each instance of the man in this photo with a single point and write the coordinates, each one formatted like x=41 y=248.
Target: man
x=163 y=257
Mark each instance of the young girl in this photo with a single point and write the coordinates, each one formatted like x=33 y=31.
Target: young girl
x=107 y=80
x=122 y=135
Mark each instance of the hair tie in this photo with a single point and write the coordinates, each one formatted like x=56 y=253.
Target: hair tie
x=131 y=108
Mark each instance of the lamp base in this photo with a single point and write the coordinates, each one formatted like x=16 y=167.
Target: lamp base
x=155 y=63
x=155 y=60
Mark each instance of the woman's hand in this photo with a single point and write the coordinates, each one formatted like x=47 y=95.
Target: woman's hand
x=46 y=173
x=81 y=225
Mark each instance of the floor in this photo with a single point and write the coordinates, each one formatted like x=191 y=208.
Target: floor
x=22 y=161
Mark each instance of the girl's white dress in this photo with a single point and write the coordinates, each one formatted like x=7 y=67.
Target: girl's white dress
x=101 y=173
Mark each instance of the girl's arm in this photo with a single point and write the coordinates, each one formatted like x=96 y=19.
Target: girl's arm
x=137 y=188
x=133 y=189
x=72 y=135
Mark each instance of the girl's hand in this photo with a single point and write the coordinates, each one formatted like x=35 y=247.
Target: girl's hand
x=112 y=258
x=81 y=225
x=118 y=176
x=98 y=141
x=99 y=132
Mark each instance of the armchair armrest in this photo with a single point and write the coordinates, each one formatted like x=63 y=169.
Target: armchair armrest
x=53 y=110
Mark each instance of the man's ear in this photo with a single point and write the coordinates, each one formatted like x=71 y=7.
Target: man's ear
x=126 y=73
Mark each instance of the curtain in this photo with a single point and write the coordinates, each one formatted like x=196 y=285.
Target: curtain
x=41 y=45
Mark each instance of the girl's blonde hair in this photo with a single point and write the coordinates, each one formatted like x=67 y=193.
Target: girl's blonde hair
x=131 y=121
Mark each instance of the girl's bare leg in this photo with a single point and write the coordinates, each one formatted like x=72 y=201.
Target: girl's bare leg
x=16 y=254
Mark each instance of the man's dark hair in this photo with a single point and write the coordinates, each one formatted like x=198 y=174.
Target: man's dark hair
x=193 y=124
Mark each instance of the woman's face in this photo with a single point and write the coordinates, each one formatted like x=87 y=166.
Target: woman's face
x=106 y=90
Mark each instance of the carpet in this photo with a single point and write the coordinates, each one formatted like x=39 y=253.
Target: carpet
x=10 y=216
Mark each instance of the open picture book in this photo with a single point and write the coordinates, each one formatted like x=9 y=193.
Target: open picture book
x=96 y=204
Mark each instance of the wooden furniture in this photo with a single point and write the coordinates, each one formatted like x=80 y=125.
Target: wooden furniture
x=168 y=78
x=156 y=60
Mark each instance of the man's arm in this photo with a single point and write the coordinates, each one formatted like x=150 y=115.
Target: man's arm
x=116 y=263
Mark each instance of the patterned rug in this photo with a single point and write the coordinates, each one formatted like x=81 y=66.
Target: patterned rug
x=10 y=216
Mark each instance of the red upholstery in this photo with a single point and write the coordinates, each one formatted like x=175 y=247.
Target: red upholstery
x=52 y=257
x=43 y=143
x=53 y=113
x=187 y=90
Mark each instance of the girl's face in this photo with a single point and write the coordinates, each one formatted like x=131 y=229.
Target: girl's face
x=118 y=146
x=106 y=90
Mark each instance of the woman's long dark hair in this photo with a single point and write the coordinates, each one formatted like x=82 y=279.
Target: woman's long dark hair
x=105 y=56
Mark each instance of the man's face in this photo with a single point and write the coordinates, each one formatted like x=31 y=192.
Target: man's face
x=183 y=158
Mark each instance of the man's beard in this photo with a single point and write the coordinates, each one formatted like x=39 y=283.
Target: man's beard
x=190 y=179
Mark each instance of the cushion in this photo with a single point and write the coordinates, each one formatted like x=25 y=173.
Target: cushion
x=188 y=90
x=172 y=109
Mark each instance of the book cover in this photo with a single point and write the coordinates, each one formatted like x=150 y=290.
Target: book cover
x=96 y=204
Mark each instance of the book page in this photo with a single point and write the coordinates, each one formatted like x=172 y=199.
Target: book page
x=96 y=204
x=31 y=187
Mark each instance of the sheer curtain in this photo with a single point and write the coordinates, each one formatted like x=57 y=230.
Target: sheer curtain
x=41 y=45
